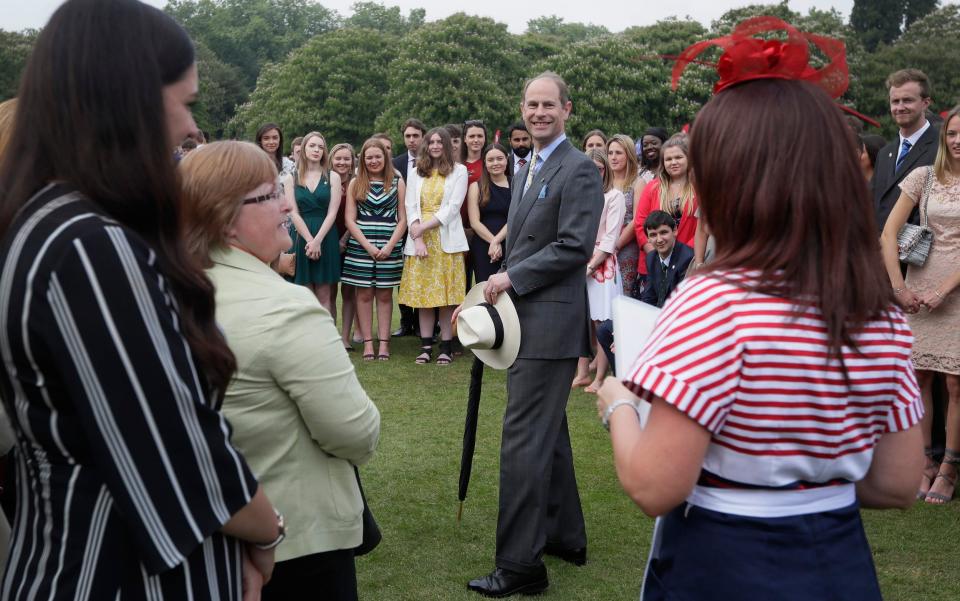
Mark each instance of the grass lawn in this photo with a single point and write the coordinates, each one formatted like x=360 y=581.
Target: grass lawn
x=426 y=555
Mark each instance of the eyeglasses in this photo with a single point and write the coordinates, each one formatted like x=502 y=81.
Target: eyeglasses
x=277 y=194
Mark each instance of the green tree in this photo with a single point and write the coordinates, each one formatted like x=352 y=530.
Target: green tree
x=615 y=87
x=877 y=21
x=555 y=29
x=15 y=47
x=931 y=45
x=250 y=33
x=221 y=90
x=334 y=84
x=668 y=36
x=462 y=67
x=376 y=16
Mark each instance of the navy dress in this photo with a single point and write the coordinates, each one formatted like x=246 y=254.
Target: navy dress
x=494 y=217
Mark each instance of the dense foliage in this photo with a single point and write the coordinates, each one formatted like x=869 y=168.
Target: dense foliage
x=306 y=67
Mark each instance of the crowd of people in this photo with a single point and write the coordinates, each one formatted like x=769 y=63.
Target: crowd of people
x=152 y=351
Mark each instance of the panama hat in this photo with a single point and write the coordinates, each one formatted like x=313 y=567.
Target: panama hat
x=492 y=332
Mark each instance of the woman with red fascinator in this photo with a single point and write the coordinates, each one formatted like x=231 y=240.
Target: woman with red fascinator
x=780 y=389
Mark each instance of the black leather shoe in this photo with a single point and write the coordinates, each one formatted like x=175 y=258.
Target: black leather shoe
x=503 y=583
x=402 y=331
x=577 y=557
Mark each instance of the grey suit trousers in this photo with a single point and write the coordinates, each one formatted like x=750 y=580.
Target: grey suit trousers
x=539 y=501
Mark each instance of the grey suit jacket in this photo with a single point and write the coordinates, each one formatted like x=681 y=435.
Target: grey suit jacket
x=551 y=231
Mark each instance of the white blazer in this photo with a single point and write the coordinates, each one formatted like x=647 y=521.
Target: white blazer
x=452 y=237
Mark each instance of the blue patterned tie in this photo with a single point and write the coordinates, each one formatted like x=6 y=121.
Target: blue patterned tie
x=903 y=154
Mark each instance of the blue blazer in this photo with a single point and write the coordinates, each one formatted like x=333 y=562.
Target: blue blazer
x=679 y=262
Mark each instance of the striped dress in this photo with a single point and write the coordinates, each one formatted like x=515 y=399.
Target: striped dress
x=125 y=473
x=377 y=216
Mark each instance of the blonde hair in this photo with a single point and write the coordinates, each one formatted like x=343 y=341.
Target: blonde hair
x=943 y=163
x=633 y=165
x=8 y=108
x=214 y=179
x=686 y=196
x=600 y=156
x=302 y=161
x=353 y=160
x=361 y=184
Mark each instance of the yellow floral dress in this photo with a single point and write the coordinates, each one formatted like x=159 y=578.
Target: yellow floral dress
x=439 y=279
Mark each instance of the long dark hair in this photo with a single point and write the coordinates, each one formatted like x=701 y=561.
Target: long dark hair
x=277 y=155
x=472 y=123
x=786 y=197
x=94 y=121
x=485 y=182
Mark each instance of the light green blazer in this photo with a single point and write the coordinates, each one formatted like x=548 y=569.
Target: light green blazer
x=298 y=412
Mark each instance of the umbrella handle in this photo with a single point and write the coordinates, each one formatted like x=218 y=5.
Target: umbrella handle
x=460 y=512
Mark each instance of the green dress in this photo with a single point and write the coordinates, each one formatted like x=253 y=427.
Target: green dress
x=313 y=208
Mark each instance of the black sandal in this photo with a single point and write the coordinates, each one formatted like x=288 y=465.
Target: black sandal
x=445 y=357
x=381 y=354
x=425 y=356
x=369 y=356
x=930 y=471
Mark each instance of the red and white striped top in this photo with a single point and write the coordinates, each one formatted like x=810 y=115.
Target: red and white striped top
x=755 y=371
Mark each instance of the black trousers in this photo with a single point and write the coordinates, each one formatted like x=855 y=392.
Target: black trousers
x=330 y=576
x=539 y=501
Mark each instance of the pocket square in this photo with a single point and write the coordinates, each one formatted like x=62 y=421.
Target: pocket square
x=543 y=192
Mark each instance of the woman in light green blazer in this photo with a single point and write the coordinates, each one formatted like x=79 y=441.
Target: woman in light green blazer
x=299 y=414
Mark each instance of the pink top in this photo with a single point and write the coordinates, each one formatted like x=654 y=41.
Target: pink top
x=614 y=208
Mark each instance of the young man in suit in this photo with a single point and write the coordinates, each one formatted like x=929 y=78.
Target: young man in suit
x=667 y=262
x=520 y=147
x=413 y=131
x=915 y=146
x=552 y=225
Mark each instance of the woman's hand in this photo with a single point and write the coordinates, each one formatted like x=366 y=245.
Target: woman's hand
x=416 y=230
x=343 y=242
x=251 y=579
x=373 y=251
x=907 y=300
x=312 y=249
x=384 y=252
x=932 y=299
x=611 y=390
x=262 y=560
x=420 y=247
x=495 y=252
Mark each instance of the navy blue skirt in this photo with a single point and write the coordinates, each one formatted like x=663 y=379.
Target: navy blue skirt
x=706 y=555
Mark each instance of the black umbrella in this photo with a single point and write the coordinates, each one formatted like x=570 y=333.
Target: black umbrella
x=470 y=431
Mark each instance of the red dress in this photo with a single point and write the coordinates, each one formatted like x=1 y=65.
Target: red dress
x=650 y=201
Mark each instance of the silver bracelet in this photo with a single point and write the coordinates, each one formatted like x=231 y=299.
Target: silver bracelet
x=616 y=405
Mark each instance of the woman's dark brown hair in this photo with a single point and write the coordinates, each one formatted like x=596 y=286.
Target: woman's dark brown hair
x=785 y=196
x=485 y=182
x=86 y=118
x=426 y=163
x=277 y=155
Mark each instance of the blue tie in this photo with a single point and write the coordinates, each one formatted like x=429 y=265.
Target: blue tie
x=904 y=149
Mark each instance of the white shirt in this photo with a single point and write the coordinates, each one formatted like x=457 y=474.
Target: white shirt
x=913 y=138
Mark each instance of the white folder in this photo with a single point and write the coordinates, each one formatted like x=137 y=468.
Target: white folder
x=633 y=323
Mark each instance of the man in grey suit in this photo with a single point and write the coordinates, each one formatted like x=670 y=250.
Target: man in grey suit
x=551 y=229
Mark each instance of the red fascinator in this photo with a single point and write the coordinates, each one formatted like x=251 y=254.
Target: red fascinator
x=746 y=58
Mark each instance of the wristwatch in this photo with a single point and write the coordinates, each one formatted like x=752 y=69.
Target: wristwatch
x=614 y=406
x=281 y=534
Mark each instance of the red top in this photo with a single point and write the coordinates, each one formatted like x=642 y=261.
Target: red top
x=650 y=201
x=756 y=372
x=473 y=175
x=341 y=221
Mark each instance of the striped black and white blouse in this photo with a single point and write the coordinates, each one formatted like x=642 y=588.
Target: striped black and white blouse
x=125 y=471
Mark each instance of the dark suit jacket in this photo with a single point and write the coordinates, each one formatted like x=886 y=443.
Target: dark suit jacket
x=401 y=162
x=551 y=231
x=679 y=262
x=886 y=182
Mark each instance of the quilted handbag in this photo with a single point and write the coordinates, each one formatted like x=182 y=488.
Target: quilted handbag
x=915 y=241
